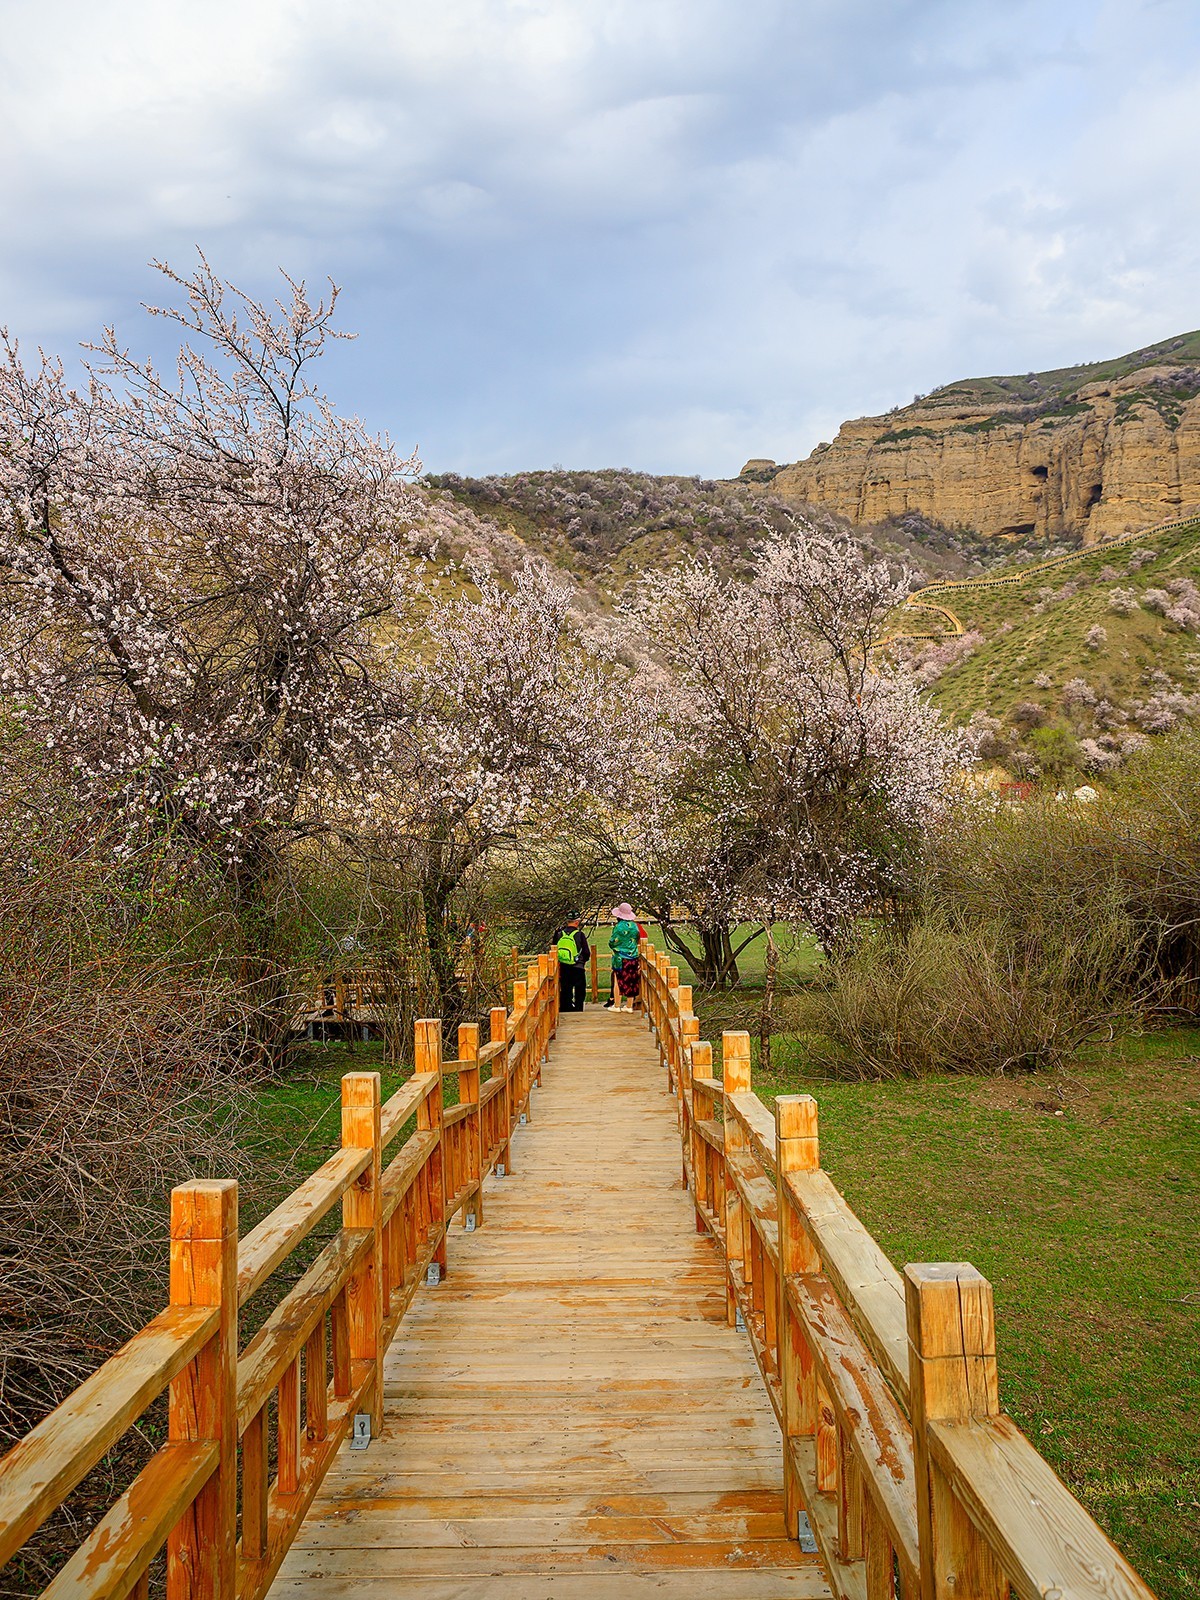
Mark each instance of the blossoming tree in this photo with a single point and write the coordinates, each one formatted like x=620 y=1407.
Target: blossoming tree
x=194 y=572
x=807 y=774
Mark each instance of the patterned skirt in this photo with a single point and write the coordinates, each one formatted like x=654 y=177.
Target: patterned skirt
x=629 y=980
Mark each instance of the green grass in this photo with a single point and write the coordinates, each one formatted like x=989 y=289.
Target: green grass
x=799 y=956
x=1078 y=1195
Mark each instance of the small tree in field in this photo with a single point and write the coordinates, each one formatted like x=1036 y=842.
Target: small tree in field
x=810 y=775
x=194 y=572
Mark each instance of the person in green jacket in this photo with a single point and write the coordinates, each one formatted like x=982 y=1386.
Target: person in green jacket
x=623 y=942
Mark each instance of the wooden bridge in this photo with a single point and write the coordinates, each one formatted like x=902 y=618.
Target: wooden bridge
x=604 y=1328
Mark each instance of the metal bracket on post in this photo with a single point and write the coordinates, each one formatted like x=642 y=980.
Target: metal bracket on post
x=740 y=1322
x=469 y=1224
x=804 y=1533
x=433 y=1274
x=500 y=1173
x=524 y=1119
x=361 y=1436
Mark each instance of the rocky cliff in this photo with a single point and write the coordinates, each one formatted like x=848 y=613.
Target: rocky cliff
x=1083 y=452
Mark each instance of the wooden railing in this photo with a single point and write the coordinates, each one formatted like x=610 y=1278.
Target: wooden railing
x=896 y=1455
x=315 y=1363
x=599 y=971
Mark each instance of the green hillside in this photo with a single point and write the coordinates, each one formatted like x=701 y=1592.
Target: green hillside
x=1076 y=664
x=1061 y=382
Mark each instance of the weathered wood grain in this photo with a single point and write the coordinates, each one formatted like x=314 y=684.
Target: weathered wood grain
x=39 y=1472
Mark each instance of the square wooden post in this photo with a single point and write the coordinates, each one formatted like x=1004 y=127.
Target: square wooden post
x=702 y=1110
x=553 y=995
x=362 y=1208
x=689 y=1034
x=735 y=1074
x=499 y=1035
x=521 y=1039
x=796 y=1150
x=952 y=1378
x=537 y=1042
x=203 y=1397
x=468 y=1094
x=427 y=1057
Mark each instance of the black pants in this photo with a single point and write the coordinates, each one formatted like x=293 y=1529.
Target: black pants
x=572 y=987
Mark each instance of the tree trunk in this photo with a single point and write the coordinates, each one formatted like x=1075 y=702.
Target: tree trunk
x=766 y=1016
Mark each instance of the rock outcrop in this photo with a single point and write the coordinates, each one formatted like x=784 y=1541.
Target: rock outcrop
x=1085 y=453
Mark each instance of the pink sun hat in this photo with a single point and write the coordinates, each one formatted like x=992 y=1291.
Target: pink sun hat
x=624 y=912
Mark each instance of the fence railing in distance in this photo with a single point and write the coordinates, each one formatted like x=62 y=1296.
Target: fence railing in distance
x=895 y=1450
x=285 y=1402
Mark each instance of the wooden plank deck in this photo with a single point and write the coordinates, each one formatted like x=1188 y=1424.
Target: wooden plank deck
x=568 y=1415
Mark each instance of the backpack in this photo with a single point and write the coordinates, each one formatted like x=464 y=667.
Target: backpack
x=568 y=950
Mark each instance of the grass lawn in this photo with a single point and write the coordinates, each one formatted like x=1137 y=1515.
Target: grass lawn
x=799 y=956
x=1086 y=1222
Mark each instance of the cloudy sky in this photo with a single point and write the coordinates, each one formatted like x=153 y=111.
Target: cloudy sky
x=667 y=234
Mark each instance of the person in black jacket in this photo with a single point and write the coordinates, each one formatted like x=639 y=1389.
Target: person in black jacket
x=574 y=952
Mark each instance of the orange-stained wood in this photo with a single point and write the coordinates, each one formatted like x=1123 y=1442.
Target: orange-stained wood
x=362 y=1207
x=203 y=1398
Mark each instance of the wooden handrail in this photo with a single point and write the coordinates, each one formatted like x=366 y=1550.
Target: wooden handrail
x=884 y=1384
x=42 y=1469
x=393 y=1229
x=404 y=1102
x=277 y=1235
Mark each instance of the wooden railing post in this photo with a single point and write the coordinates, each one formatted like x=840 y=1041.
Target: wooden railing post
x=595 y=966
x=952 y=1378
x=468 y=1094
x=677 y=1006
x=702 y=1110
x=537 y=1041
x=735 y=1074
x=521 y=1040
x=796 y=1150
x=689 y=1034
x=362 y=1208
x=203 y=1399
x=498 y=1017
x=427 y=1057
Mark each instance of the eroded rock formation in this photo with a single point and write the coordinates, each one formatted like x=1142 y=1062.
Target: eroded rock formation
x=1077 y=458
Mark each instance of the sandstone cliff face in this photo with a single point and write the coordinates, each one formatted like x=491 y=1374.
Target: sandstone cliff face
x=1104 y=458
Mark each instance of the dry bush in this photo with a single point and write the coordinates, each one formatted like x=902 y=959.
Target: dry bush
x=1038 y=926
x=965 y=998
x=118 y=1078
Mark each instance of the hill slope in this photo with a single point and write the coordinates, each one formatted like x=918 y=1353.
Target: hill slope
x=603 y=528
x=1078 y=453
x=1071 y=667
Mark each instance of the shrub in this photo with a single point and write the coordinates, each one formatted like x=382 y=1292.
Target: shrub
x=1038 y=926
x=955 y=996
x=1054 y=752
x=117 y=1079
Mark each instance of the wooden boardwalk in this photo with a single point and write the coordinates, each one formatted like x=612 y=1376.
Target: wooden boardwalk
x=568 y=1414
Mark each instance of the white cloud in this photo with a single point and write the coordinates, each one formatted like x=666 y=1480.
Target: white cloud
x=670 y=233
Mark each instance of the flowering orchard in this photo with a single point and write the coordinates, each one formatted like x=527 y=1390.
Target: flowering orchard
x=218 y=612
